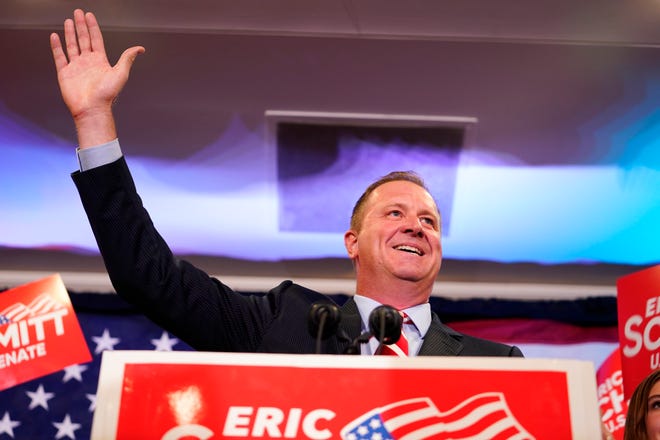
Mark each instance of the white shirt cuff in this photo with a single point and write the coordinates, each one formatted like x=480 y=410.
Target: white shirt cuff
x=98 y=155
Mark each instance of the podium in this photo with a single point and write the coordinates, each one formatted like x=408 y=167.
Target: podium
x=198 y=395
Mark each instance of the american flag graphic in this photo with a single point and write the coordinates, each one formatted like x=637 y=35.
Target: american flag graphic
x=484 y=416
x=61 y=405
x=44 y=303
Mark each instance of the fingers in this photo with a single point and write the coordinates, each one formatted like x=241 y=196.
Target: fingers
x=82 y=32
x=96 y=38
x=128 y=57
x=58 y=52
x=83 y=39
x=70 y=39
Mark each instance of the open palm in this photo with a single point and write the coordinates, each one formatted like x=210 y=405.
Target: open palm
x=89 y=84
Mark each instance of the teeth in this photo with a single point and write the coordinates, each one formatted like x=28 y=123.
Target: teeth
x=408 y=249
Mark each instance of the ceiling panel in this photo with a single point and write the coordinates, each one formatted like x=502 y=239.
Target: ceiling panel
x=588 y=21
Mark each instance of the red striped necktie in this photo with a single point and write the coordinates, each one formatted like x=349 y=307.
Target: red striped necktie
x=400 y=348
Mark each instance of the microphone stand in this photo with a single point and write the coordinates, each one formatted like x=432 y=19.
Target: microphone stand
x=380 y=337
x=384 y=324
x=354 y=346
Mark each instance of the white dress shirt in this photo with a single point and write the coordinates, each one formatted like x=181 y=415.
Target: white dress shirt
x=419 y=314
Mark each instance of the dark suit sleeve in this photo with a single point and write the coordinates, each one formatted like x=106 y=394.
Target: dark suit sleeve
x=181 y=298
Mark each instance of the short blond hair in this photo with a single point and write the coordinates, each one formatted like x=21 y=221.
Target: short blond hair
x=407 y=176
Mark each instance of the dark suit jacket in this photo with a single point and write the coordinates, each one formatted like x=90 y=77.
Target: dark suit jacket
x=201 y=310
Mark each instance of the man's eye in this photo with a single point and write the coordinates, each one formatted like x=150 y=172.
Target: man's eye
x=395 y=213
x=428 y=220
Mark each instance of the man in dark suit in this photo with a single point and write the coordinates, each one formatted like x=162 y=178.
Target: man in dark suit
x=393 y=240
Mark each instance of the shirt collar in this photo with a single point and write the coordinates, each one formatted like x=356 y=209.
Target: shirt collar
x=420 y=314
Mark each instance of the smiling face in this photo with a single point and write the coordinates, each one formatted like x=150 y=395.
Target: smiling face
x=396 y=250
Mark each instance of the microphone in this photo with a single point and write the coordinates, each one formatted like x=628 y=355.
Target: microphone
x=385 y=325
x=322 y=321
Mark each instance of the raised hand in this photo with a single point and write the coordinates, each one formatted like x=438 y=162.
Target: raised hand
x=89 y=84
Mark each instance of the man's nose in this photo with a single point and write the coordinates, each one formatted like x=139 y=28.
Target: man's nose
x=414 y=226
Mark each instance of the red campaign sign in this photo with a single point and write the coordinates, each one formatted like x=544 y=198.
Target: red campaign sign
x=284 y=399
x=638 y=304
x=613 y=405
x=39 y=332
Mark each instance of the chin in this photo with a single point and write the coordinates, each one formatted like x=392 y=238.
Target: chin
x=411 y=277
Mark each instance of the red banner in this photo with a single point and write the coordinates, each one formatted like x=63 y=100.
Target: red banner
x=352 y=398
x=613 y=405
x=638 y=304
x=39 y=332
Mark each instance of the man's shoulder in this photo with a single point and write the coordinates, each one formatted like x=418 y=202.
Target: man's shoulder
x=474 y=346
x=287 y=290
x=485 y=347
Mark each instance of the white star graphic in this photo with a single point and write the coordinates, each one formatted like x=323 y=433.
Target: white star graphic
x=165 y=343
x=39 y=398
x=105 y=342
x=376 y=436
x=374 y=423
x=92 y=402
x=7 y=425
x=363 y=430
x=66 y=428
x=73 y=372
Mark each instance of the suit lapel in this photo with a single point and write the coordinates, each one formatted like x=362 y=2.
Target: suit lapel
x=440 y=340
x=351 y=323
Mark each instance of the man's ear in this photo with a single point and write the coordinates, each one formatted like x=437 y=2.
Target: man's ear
x=351 y=244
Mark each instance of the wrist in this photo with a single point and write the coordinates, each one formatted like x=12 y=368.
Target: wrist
x=95 y=127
